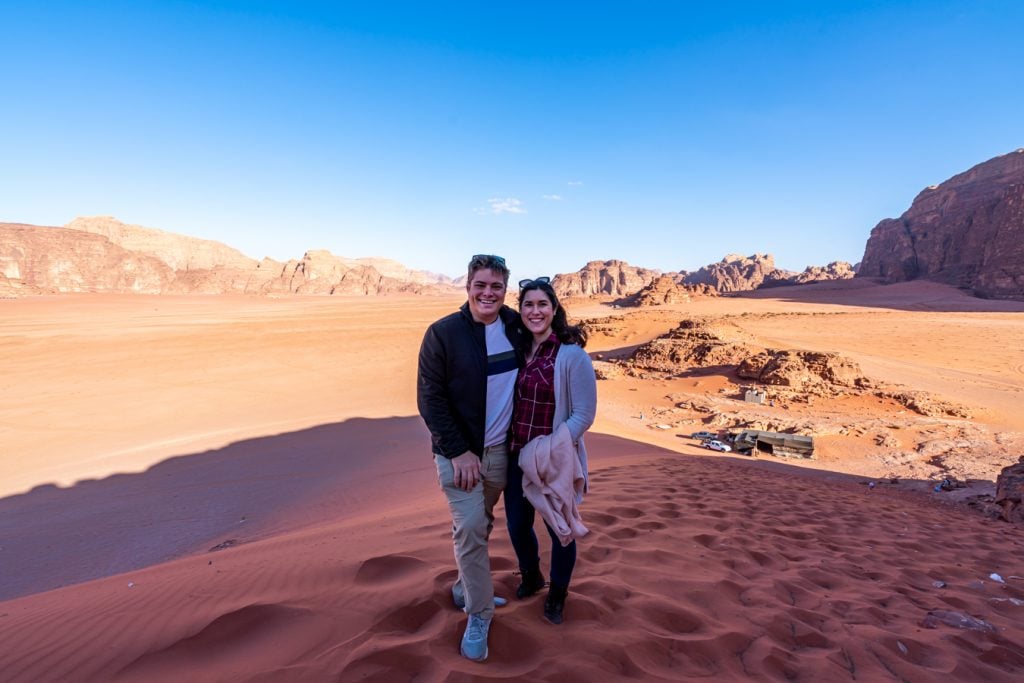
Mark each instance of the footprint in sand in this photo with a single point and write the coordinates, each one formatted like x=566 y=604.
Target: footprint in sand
x=388 y=569
x=600 y=519
x=669 y=620
x=421 y=617
x=626 y=511
x=391 y=664
x=623 y=533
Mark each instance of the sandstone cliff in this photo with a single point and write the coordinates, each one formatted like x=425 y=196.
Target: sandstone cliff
x=180 y=252
x=736 y=273
x=644 y=287
x=104 y=255
x=35 y=260
x=837 y=270
x=668 y=289
x=603 y=278
x=967 y=231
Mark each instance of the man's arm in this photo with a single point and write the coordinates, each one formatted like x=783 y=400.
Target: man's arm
x=432 y=400
x=432 y=397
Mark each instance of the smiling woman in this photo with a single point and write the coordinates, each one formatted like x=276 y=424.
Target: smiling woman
x=555 y=403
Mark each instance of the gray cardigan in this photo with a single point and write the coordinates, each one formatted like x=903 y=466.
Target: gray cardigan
x=575 y=396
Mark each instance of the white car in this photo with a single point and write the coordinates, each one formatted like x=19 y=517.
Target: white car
x=716 y=445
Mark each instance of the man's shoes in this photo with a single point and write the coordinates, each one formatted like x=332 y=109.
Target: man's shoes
x=554 y=605
x=532 y=582
x=474 y=641
x=460 y=600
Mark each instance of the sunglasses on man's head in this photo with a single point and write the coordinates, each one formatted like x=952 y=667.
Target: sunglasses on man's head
x=541 y=280
x=488 y=258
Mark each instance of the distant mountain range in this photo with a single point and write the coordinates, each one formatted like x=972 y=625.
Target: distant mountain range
x=102 y=254
x=967 y=231
x=733 y=273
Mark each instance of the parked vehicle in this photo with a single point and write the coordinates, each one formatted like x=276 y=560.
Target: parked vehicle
x=716 y=445
x=703 y=435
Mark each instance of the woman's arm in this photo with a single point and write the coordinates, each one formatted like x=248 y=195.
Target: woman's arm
x=582 y=385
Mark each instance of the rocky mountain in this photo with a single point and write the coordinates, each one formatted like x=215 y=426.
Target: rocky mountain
x=35 y=260
x=967 y=231
x=837 y=270
x=668 y=289
x=180 y=252
x=603 y=278
x=736 y=273
x=101 y=254
x=637 y=286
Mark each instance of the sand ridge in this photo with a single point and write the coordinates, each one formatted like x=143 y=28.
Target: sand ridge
x=695 y=567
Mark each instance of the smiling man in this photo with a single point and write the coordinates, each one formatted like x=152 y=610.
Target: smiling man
x=467 y=372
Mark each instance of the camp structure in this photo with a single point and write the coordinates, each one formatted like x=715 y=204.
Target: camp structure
x=786 y=445
x=754 y=396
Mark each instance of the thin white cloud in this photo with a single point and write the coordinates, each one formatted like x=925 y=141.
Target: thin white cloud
x=575 y=183
x=552 y=197
x=506 y=205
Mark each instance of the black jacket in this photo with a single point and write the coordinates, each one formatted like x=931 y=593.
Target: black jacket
x=451 y=387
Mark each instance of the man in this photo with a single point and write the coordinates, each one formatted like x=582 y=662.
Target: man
x=467 y=372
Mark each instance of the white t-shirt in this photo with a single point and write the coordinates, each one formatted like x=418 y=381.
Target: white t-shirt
x=501 y=383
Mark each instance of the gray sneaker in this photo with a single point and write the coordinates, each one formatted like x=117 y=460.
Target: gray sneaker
x=474 y=642
x=460 y=600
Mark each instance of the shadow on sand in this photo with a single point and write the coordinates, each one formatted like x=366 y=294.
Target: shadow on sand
x=53 y=536
x=917 y=295
x=248 y=490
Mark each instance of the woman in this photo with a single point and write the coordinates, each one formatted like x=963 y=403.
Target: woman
x=556 y=387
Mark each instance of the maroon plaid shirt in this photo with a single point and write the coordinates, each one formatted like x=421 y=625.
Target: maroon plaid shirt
x=534 y=409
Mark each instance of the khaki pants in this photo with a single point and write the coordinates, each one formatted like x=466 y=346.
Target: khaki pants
x=472 y=521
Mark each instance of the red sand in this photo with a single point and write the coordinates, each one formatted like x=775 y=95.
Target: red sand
x=301 y=535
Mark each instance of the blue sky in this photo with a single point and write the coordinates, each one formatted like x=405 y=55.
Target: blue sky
x=667 y=134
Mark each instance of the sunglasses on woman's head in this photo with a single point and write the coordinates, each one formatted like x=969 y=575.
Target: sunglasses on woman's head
x=541 y=280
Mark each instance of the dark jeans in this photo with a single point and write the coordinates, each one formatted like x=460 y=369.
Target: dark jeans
x=519 y=514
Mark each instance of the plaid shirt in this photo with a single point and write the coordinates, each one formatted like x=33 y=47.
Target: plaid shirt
x=534 y=410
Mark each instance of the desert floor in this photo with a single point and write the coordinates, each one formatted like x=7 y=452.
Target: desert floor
x=225 y=488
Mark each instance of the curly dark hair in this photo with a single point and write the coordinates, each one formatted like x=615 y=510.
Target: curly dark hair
x=566 y=333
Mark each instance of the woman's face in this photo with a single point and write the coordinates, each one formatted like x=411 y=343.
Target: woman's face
x=537 y=312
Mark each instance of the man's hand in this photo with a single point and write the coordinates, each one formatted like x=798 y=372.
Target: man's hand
x=467 y=470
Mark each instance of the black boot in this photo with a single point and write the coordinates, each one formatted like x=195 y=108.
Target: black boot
x=554 y=605
x=533 y=581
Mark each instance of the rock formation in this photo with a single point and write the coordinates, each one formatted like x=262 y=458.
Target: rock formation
x=643 y=287
x=807 y=371
x=104 y=255
x=36 y=260
x=794 y=373
x=1010 y=492
x=603 y=278
x=837 y=270
x=693 y=344
x=967 y=231
x=180 y=252
x=736 y=273
x=668 y=289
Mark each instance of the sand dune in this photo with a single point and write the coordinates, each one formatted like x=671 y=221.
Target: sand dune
x=239 y=489
x=695 y=567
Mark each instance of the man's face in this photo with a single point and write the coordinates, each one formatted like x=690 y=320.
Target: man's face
x=486 y=291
